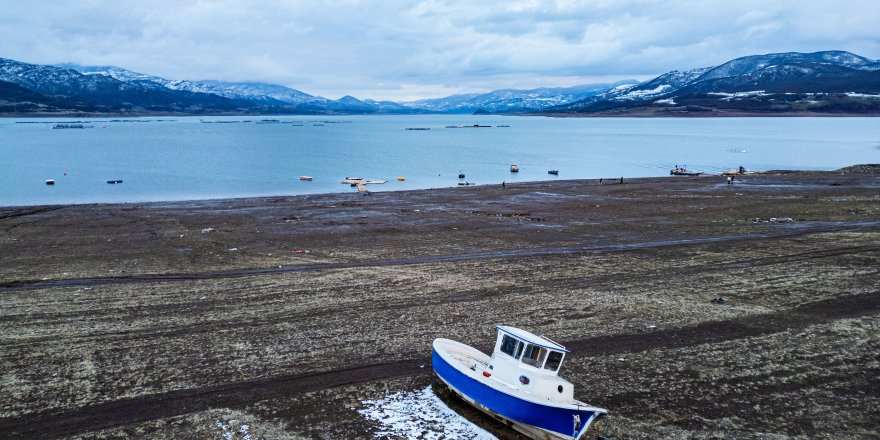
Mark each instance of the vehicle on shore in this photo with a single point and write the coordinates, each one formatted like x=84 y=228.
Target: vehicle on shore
x=519 y=384
x=682 y=171
x=739 y=171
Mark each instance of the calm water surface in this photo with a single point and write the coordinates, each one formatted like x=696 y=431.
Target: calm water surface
x=184 y=158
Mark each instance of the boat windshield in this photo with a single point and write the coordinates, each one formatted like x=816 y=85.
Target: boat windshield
x=534 y=355
x=511 y=346
x=553 y=360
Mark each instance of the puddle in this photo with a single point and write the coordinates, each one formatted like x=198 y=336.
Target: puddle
x=419 y=415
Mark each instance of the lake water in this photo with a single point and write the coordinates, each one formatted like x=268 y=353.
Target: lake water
x=184 y=158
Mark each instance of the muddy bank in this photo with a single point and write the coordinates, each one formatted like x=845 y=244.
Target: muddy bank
x=180 y=319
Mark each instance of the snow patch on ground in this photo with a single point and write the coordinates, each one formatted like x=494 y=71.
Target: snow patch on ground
x=861 y=95
x=637 y=94
x=233 y=430
x=729 y=96
x=669 y=101
x=419 y=415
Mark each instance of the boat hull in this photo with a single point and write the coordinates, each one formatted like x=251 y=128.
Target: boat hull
x=541 y=421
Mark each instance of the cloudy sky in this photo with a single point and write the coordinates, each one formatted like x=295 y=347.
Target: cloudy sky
x=404 y=50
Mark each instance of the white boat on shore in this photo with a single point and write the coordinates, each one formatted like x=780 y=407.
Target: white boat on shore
x=519 y=384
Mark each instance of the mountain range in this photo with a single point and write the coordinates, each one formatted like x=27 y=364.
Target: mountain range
x=820 y=82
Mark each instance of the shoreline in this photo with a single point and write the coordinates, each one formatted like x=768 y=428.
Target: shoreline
x=633 y=114
x=287 y=313
x=860 y=168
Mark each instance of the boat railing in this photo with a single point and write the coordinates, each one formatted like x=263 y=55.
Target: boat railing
x=552 y=341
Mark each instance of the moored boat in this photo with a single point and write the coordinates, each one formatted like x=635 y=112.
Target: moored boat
x=518 y=384
x=553 y=172
x=306 y=178
x=514 y=168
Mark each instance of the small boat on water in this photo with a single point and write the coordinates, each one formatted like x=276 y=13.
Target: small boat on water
x=514 y=168
x=553 y=172
x=401 y=178
x=518 y=384
x=461 y=175
x=306 y=178
x=113 y=182
x=682 y=171
x=50 y=181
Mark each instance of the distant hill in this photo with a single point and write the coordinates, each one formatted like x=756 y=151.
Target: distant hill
x=820 y=82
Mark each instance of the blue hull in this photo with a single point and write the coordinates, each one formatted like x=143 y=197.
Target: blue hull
x=558 y=420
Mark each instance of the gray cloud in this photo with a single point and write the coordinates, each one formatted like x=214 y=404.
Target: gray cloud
x=408 y=49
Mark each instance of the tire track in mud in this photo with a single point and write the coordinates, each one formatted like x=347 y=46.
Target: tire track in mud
x=122 y=412
x=794 y=231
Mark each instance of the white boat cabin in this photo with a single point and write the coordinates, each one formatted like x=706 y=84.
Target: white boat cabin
x=530 y=363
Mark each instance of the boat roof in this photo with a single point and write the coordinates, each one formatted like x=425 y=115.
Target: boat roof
x=531 y=338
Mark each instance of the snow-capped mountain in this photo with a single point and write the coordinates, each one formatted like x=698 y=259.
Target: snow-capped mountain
x=511 y=100
x=756 y=63
x=252 y=91
x=71 y=89
x=751 y=84
x=54 y=80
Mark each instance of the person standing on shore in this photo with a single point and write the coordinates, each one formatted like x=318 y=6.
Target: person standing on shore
x=730 y=180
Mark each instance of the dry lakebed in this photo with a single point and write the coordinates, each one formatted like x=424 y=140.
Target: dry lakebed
x=283 y=317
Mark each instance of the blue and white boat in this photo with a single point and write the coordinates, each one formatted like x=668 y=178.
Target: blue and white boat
x=519 y=384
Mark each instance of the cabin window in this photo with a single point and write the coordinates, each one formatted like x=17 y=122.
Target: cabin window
x=534 y=355
x=553 y=360
x=511 y=346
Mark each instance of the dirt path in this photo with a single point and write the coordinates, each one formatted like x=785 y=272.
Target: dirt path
x=786 y=232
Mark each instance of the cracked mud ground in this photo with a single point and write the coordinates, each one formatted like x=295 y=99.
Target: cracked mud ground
x=171 y=319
